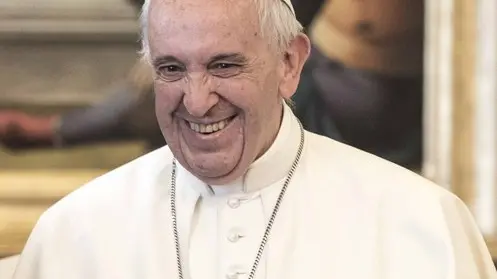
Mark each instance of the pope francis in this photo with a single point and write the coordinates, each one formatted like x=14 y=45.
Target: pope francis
x=242 y=190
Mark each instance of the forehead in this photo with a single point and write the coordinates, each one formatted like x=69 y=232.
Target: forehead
x=202 y=27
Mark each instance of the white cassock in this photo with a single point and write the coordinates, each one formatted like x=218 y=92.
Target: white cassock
x=346 y=215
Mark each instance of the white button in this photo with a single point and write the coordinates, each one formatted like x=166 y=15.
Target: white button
x=234 y=235
x=234 y=203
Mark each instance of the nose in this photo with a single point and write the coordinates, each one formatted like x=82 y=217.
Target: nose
x=199 y=96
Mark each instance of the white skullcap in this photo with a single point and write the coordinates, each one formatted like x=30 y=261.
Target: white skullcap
x=289 y=5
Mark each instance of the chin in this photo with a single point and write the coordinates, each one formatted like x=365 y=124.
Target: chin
x=226 y=178
x=216 y=171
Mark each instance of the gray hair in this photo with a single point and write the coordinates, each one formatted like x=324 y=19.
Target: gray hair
x=277 y=22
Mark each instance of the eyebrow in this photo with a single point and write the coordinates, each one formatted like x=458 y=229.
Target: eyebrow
x=165 y=59
x=233 y=57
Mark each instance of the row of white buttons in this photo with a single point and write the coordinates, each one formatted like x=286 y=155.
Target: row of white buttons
x=233 y=236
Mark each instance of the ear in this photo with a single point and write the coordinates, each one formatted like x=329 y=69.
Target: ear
x=294 y=59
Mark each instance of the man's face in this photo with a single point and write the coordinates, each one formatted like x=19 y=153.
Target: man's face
x=217 y=85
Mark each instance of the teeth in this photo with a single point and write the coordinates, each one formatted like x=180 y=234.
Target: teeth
x=208 y=128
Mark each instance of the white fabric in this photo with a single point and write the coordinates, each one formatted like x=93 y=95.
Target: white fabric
x=346 y=214
x=7 y=267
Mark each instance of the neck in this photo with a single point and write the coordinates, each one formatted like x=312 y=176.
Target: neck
x=275 y=127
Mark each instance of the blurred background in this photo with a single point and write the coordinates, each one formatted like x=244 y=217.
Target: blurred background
x=412 y=82
x=56 y=57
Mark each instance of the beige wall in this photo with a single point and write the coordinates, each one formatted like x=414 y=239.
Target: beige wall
x=66 y=16
x=58 y=49
x=61 y=72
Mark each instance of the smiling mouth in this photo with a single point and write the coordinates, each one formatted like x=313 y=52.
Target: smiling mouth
x=210 y=128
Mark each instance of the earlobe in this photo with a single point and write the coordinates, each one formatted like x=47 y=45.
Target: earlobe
x=295 y=57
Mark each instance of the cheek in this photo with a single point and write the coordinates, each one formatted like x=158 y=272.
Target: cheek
x=167 y=98
x=251 y=95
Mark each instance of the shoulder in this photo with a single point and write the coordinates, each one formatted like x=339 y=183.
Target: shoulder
x=115 y=192
x=367 y=174
x=408 y=210
x=97 y=217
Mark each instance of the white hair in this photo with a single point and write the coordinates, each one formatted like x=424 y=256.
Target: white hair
x=277 y=22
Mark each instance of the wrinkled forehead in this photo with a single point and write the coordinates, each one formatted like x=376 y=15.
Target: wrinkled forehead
x=199 y=10
x=196 y=27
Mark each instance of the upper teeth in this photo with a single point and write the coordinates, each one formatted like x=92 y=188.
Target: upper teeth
x=208 y=128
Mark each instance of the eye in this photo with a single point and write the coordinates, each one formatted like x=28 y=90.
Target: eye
x=170 y=68
x=224 y=66
x=170 y=72
x=225 y=70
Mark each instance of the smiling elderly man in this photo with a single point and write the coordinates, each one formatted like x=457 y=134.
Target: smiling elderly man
x=242 y=191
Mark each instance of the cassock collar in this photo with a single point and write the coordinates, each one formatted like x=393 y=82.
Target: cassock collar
x=270 y=168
